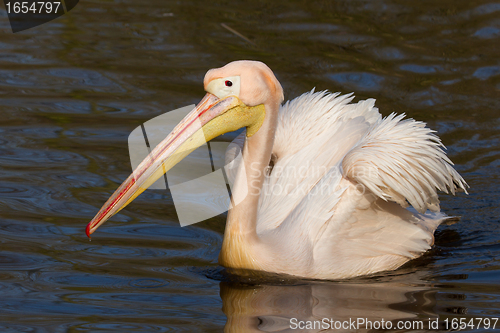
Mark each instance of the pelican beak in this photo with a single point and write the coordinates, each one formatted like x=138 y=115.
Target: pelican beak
x=209 y=119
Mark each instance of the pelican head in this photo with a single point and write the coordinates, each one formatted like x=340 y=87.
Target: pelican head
x=240 y=94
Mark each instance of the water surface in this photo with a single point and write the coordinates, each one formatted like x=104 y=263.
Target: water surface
x=72 y=90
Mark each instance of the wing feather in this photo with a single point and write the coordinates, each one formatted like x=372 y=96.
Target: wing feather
x=403 y=161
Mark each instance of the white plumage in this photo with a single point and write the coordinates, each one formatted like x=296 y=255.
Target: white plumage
x=341 y=178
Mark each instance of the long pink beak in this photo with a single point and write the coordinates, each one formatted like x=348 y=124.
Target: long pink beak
x=153 y=166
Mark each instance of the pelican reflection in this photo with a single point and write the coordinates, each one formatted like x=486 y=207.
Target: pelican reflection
x=320 y=306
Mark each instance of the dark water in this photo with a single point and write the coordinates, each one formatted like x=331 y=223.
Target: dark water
x=72 y=90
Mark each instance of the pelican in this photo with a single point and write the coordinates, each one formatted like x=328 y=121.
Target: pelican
x=324 y=185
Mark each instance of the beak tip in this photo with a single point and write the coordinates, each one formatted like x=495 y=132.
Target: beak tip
x=88 y=231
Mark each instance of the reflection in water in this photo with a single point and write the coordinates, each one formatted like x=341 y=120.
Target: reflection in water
x=402 y=299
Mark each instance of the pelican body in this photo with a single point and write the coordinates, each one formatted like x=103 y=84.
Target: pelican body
x=324 y=184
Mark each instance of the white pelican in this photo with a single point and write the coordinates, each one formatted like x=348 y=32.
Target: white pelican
x=376 y=167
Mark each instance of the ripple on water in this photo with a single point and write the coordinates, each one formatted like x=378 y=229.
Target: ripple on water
x=125 y=327
x=28 y=229
x=46 y=105
x=438 y=96
x=484 y=73
x=6 y=327
x=41 y=199
x=304 y=27
x=15 y=261
x=169 y=232
x=52 y=307
x=388 y=53
x=36 y=158
x=17 y=135
x=22 y=58
x=129 y=251
x=85 y=280
x=73 y=180
x=360 y=81
x=487 y=32
x=167 y=243
x=346 y=39
x=420 y=69
x=63 y=79
x=486 y=9
x=148 y=283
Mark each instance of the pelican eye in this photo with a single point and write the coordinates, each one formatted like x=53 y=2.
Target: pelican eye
x=223 y=87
